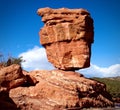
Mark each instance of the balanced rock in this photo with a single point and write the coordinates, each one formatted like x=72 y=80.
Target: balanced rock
x=67 y=36
x=60 y=90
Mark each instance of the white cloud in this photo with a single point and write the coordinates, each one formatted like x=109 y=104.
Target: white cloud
x=96 y=71
x=36 y=59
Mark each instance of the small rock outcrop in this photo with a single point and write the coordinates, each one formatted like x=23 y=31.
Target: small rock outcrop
x=67 y=36
x=10 y=77
x=61 y=90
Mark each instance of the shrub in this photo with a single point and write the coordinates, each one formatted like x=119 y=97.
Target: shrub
x=10 y=60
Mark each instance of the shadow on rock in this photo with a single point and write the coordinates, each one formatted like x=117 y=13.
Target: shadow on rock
x=6 y=103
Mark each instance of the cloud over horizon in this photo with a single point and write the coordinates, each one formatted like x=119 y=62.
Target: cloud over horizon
x=96 y=71
x=36 y=58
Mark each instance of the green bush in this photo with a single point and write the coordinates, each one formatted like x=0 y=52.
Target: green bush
x=10 y=60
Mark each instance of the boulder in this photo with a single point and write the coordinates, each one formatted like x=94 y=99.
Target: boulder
x=61 y=90
x=67 y=36
x=11 y=77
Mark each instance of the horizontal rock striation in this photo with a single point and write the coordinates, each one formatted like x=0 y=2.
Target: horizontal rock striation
x=11 y=77
x=67 y=36
x=65 y=24
x=60 y=90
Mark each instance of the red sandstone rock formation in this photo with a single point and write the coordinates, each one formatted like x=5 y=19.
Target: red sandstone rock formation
x=11 y=77
x=60 y=90
x=49 y=90
x=67 y=36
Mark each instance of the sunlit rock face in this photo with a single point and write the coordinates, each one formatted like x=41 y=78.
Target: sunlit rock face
x=11 y=77
x=67 y=36
x=60 y=90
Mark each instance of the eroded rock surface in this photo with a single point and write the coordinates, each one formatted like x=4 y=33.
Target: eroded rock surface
x=60 y=90
x=67 y=36
x=10 y=77
x=49 y=90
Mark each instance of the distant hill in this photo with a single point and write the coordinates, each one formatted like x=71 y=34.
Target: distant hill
x=112 y=84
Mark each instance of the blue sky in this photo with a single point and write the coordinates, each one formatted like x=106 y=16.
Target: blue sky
x=20 y=24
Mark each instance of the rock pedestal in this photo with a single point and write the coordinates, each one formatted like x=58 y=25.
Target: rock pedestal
x=67 y=36
x=49 y=90
x=61 y=90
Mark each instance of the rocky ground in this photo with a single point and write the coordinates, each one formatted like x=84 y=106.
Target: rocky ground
x=50 y=90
